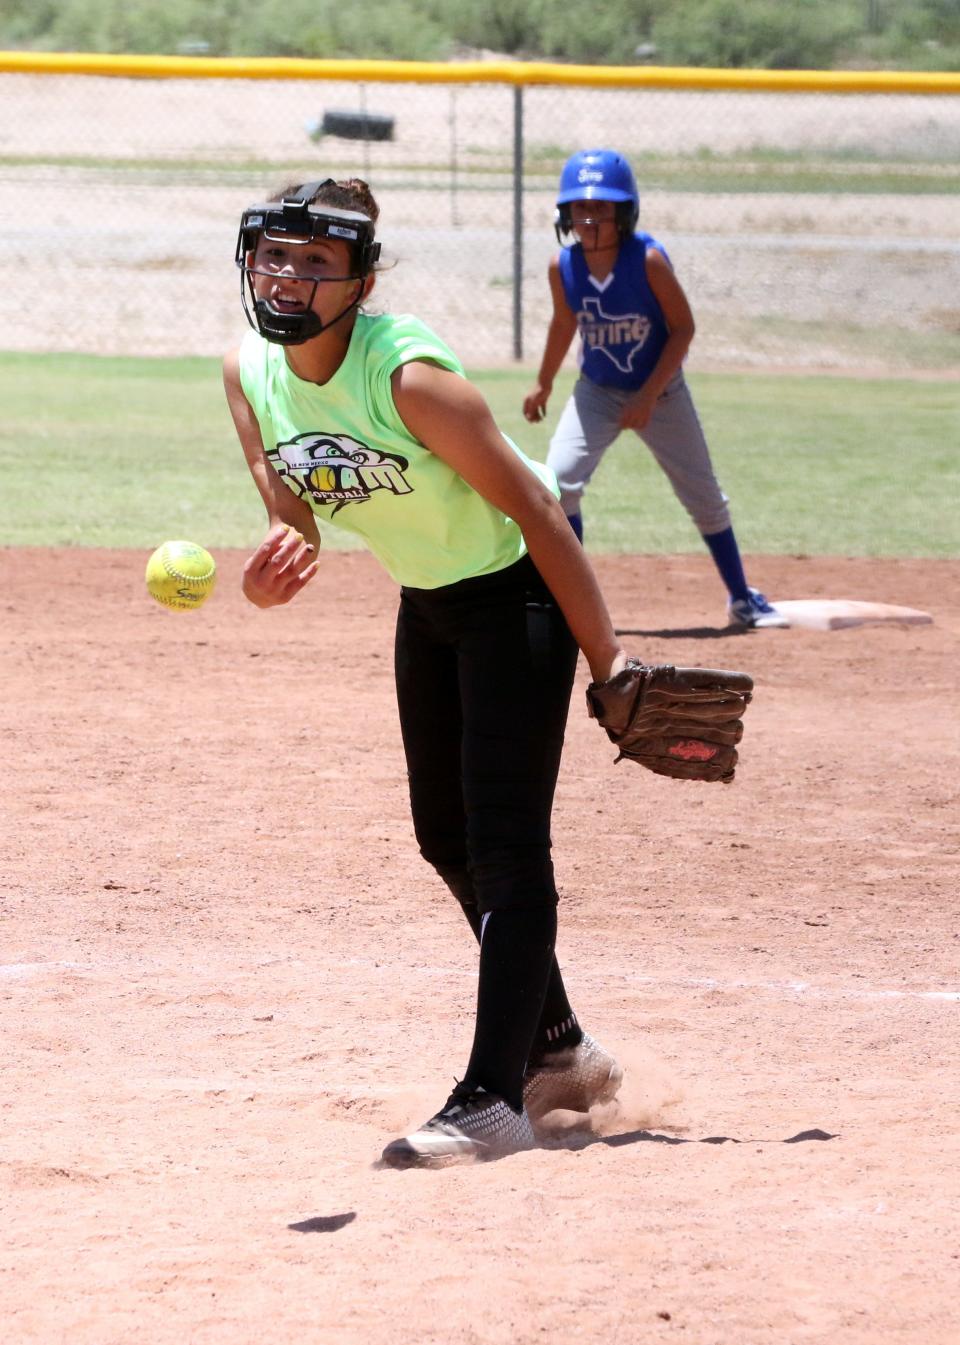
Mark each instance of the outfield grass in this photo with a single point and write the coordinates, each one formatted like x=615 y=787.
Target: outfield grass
x=756 y=171
x=128 y=452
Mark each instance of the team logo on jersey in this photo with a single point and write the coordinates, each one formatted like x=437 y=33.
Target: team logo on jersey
x=619 y=336
x=336 y=469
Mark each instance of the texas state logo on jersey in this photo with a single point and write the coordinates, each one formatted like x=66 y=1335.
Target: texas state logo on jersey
x=621 y=325
x=620 y=337
x=337 y=470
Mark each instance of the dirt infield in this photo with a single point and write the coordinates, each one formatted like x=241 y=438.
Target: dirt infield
x=227 y=979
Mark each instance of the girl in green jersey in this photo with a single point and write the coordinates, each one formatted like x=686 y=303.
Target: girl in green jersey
x=369 y=422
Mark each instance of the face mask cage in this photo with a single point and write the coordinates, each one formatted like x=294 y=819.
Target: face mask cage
x=294 y=219
x=626 y=214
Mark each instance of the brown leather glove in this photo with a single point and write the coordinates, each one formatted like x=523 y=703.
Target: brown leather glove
x=682 y=722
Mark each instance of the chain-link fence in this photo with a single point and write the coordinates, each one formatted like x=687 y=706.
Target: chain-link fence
x=810 y=229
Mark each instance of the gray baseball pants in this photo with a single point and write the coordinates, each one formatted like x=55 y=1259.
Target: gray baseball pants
x=590 y=423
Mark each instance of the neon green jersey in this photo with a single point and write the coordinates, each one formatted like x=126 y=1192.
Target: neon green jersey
x=342 y=447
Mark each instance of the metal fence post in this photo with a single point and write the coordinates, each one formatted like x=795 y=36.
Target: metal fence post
x=454 y=216
x=518 y=222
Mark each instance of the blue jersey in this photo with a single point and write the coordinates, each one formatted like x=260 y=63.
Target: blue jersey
x=621 y=324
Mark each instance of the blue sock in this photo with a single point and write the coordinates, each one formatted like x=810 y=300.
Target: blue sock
x=726 y=556
x=576 y=523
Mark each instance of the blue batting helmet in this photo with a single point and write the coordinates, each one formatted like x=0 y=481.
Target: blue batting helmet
x=599 y=175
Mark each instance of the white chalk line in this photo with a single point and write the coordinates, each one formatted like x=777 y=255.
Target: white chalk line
x=22 y=970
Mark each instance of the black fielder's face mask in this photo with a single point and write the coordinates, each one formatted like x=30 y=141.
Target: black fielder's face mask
x=587 y=234
x=293 y=221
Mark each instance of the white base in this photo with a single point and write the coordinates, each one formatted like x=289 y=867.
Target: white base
x=838 y=613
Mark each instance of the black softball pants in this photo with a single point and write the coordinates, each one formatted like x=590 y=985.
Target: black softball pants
x=484 y=671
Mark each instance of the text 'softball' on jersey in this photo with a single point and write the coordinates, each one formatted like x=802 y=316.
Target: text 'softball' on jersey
x=621 y=325
x=342 y=447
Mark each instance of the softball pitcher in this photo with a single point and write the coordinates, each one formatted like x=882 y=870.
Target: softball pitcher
x=368 y=422
x=615 y=285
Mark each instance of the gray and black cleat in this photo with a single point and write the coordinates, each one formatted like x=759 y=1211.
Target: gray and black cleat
x=473 y=1124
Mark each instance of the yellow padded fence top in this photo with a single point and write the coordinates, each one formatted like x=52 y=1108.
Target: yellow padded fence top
x=518 y=73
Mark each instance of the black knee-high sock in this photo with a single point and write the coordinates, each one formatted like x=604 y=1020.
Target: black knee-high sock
x=558 y=1028
x=516 y=952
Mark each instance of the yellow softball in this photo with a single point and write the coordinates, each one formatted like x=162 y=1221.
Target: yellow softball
x=181 y=575
x=322 y=478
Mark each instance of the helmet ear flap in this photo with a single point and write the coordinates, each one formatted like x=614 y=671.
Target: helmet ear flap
x=563 y=225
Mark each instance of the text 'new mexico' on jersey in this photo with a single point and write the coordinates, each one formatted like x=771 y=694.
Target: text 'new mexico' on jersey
x=342 y=448
x=621 y=325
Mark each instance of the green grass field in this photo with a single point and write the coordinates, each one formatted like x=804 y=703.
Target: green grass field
x=129 y=452
x=754 y=172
